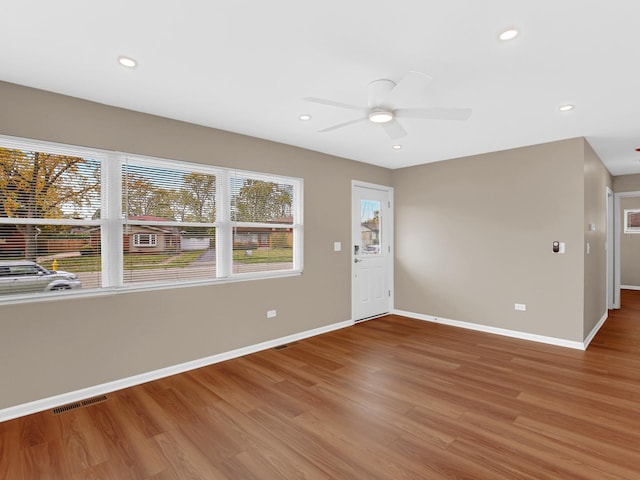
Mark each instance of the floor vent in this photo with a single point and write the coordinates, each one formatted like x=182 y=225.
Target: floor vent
x=91 y=401
x=83 y=403
x=66 y=408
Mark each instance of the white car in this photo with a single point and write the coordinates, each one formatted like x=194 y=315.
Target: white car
x=23 y=276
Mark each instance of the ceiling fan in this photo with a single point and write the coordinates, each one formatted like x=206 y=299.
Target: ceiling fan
x=388 y=101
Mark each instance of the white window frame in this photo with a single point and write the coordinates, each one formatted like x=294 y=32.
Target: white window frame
x=112 y=221
x=296 y=212
x=627 y=228
x=153 y=239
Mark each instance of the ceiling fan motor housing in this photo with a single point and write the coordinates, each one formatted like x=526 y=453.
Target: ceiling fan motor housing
x=379 y=90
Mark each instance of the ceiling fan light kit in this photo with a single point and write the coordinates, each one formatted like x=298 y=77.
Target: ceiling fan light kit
x=387 y=101
x=379 y=115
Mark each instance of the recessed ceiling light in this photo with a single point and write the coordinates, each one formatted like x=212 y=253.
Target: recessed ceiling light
x=508 y=34
x=397 y=147
x=565 y=108
x=304 y=117
x=127 y=61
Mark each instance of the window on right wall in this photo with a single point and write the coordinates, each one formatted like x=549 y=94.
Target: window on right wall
x=632 y=220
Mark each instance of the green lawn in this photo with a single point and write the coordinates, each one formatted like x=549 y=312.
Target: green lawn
x=88 y=263
x=91 y=263
x=163 y=260
x=263 y=256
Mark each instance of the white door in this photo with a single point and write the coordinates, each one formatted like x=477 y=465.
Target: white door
x=371 y=250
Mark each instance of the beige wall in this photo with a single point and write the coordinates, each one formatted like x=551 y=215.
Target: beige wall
x=596 y=179
x=629 y=247
x=48 y=348
x=626 y=183
x=474 y=236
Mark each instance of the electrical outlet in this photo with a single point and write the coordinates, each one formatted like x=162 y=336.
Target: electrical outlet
x=521 y=307
x=272 y=313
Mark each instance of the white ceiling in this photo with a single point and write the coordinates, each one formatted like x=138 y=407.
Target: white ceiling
x=244 y=66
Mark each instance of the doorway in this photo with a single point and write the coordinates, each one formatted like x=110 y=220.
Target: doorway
x=371 y=250
x=617 y=251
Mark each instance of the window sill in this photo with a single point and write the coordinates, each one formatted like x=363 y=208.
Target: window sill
x=149 y=287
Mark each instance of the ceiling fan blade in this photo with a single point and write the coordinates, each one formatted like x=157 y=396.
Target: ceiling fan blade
x=393 y=129
x=408 y=90
x=331 y=103
x=434 y=113
x=345 y=124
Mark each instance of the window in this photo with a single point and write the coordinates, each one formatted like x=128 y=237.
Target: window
x=169 y=211
x=632 y=220
x=20 y=270
x=49 y=205
x=370 y=226
x=145 y=239
x=112 y=220
x=263 y=223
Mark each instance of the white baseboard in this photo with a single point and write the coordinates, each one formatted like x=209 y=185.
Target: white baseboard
x=595 y=329
x=496 y=331
x=629 y=287
x=77 y=395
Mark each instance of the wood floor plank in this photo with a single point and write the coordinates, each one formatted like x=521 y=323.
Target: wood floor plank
x=79 y=446
x=519 y=447
x=579 y=444
x=322 y=453
x=127 y=445
x=390 y=398
x=280 y=453
x=10 y=446
x=188 y=464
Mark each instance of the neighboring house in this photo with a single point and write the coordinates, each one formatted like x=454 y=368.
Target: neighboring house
x=144 y=238
x=194 y=242
x=264 y=237
x=150 y=238
x=11 y=241
x=370 y=232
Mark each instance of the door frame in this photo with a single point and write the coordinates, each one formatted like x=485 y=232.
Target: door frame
x=617 y=214
x=611 y=249
x=390 y=233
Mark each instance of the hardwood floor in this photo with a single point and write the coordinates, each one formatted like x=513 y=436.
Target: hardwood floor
x=392 y=398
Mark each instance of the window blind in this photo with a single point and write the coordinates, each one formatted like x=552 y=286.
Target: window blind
x=113 y=220
x=49 y=214
x=262 y=213
x=169 y=214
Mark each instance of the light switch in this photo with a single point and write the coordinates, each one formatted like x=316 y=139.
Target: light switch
x=562 y=248
x=337 y=246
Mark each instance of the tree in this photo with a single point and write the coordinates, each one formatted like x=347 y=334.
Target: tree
x=142 y=198
x=35 y=185
x=197 y=198
x=260 y=201
x=194 y=201
x=282 y=199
